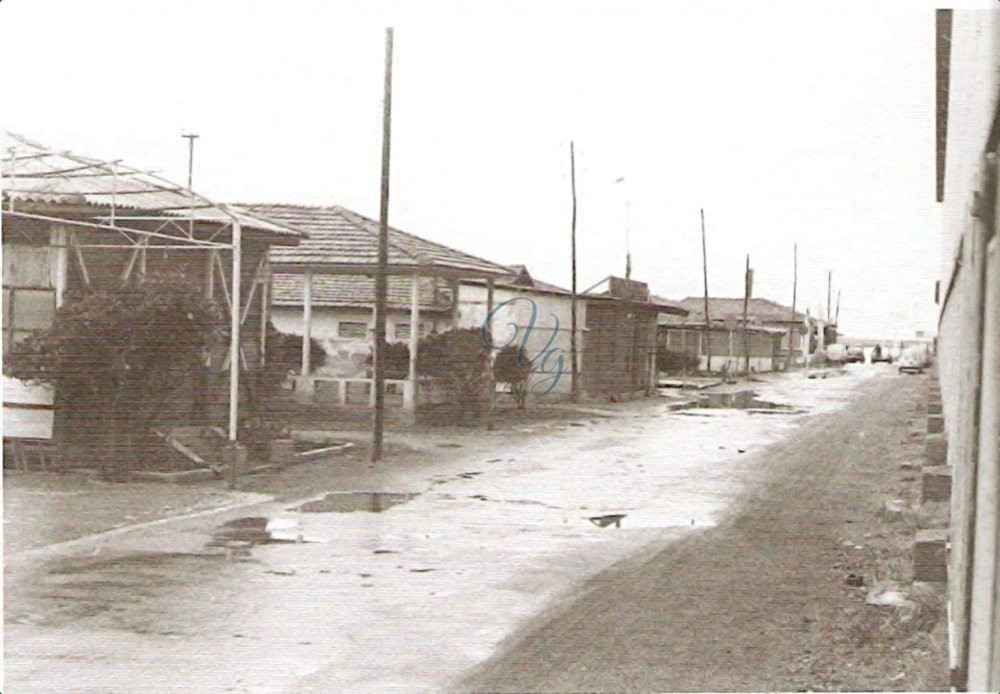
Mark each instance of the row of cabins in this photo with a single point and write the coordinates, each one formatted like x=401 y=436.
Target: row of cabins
x=71 y=222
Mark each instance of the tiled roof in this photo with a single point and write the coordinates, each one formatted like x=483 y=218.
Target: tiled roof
x=338 y=236
x=356 y=291
x=35 y=173
x=758 y=310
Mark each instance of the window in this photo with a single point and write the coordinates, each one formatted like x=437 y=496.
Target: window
x=352 y=329
x=29 y=303
x=403 y=331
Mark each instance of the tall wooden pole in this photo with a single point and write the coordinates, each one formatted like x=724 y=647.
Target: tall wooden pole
x=795 y=289
x=574 y=381
x=836 y=315
x=704 y=268
x=746 y=302
x=829 y=287
x=234 y=354
x=378 y=341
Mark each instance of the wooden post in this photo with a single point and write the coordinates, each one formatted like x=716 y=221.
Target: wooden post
x=491 y=385
x=829 y=287
x=410 y=399
x=574 y=378
x=746 y=301
x=378 y=356
x=455 y=290
x=307 y=284
x=795 y=287
x=234 y=355
x=704 y=269
x=265 y=306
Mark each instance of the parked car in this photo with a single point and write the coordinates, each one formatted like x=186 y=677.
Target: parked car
x=836 y=353
x=913 y=360
x=855 y=355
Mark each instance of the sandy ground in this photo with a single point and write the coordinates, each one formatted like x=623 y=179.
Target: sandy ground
x=411 y=598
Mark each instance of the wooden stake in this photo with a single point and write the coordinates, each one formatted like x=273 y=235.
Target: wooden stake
x=574 y=380
x=378 y=340
x=829 y=286
x=746 y=302
x=704 y=268
x=795 y=288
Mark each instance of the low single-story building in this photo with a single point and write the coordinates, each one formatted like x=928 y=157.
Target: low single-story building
x=342 y=306
x=760 y=312
x=619 y=353
x=72 y=222
x=764 y=345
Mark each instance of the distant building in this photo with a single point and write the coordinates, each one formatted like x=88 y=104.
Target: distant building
x=765 y=318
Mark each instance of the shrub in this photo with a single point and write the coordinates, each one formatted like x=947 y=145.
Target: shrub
x=508 y=369
x=118 y=358
x=672 y=362
x=397 y=360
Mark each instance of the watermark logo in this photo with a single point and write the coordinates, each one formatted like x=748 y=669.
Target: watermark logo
x=551 y=357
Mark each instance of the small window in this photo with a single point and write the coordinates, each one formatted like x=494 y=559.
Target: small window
x=352 y=329
x=403 y=330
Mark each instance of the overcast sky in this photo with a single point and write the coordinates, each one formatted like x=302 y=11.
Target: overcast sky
x=791 y=124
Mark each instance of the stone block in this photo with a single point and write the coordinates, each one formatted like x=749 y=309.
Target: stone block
x=936 y=449
x=930 y=555
x=936 y=483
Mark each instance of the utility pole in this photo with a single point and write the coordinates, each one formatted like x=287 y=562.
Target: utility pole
x=378 y=342
x=191 y=137
x=574 y=382
x=795 y=287
x=704 y=268
x=836 y=315
x=747 y=288
x=628 y=243
x=829 y=287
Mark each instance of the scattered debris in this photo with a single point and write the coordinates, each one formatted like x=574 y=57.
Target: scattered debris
x=480 y=497
x=894 y=509
x=449 y=444
x=855 y=580
x=887 y=595
x=606 y=520
x=385 y=551
x=493 y=460
x=279 y=572
x=421 y=571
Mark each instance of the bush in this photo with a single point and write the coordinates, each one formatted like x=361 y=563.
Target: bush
x=397 y=360
x=672 y=362
x=118 y=359
x=508 y=369
x=458 y=360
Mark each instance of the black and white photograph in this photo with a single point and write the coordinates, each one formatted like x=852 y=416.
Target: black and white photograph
x=469 y=347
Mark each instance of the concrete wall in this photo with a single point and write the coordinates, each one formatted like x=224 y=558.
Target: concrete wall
x=511 y=323
x=968 y=330
x=345 y=357
x=727 y=347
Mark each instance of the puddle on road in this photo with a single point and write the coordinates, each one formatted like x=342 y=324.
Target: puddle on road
x=348 y=502
x=739 y=400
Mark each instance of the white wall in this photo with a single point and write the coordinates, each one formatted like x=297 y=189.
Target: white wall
x=511 y=323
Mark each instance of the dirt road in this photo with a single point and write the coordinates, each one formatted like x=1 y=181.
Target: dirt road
x=758 y=602
x=410 y=596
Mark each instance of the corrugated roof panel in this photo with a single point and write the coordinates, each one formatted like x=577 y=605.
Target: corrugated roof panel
x=35 y=173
